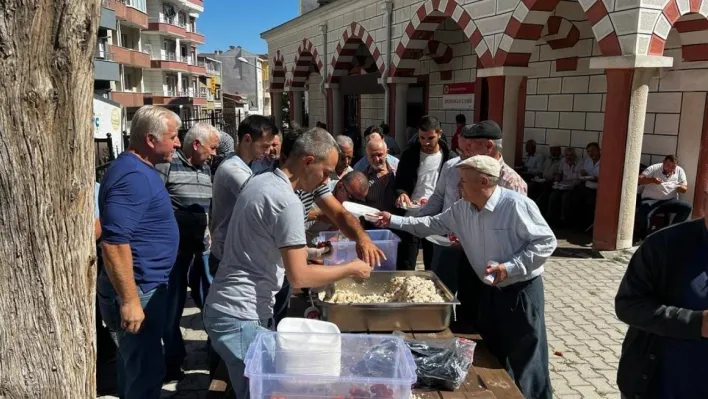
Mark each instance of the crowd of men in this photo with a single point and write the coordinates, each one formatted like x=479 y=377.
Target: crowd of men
x=233 y=218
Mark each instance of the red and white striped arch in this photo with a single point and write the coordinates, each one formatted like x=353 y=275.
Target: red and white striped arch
x=560 y=33
x=528 y=22
x=420 y=31
x=689 y=19
x=344 y=56
x=305 y=58
x=277 y=81
x=440 y=52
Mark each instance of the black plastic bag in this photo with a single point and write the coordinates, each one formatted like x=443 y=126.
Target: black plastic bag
x=442 y=363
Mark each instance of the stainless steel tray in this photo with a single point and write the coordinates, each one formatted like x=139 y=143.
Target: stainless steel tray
x=386 y=317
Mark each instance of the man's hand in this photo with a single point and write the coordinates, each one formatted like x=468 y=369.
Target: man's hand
x=314 y=215
x=385 y=220
x=369 y=252
x=498 y=271
x=131 y=317
x=359 y=270
x=656 y=180
x=403 y=200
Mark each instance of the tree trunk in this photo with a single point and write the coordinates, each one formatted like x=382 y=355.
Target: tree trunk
x=47 y=252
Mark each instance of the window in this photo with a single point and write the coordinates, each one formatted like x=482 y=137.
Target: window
x=217 y=96
x=129 y=82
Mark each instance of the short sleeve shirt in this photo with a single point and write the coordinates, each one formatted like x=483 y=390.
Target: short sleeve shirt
x=230 y=176
x=667 y=189
x=593 y=169
x=267 y=217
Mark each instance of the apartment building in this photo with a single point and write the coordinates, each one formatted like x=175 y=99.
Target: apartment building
x=242 y=74
x=154 y=43
x=210 y=87
x=106 y=69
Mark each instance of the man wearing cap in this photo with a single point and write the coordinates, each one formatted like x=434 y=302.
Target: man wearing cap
x=506 y=241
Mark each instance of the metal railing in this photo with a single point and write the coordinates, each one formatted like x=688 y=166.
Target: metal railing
x=103 y=55
x=171 y=21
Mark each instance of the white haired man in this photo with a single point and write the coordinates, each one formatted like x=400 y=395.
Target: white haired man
x=346 y=153
x=188 y=181
x=139 y=246
x=506 y=241
x=266 y=242
x=381 y=175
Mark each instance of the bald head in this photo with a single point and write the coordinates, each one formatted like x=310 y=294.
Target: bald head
x=376 y=153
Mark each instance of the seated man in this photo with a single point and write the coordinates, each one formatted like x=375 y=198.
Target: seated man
x=662 y=183
x=586 y=194
x=560 y=204
x=533 y=163
x=551 y=167
x=266 y=242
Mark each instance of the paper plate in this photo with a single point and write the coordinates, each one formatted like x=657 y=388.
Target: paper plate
x=413 y=206
x=359 y=210
x=439 y=240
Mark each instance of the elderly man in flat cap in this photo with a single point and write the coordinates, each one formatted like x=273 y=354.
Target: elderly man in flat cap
x=506 y=241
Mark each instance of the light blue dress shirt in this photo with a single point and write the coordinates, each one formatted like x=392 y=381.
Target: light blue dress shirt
x=509 y=230
x=364 y=163
x=446 y=190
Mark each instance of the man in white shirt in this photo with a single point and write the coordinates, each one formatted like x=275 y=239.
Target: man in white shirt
x=533 y=164
x=662 y=183
x=506 y=241
x=560 y=201
x=586 y=194
x=418 y=173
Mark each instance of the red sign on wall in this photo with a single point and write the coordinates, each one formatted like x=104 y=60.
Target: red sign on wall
x=458 y=88
x=458 y=96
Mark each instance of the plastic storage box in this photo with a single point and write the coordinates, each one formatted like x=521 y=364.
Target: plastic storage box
x=367 y=366
x=344 y=250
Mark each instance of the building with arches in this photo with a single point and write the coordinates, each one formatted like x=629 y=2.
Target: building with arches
x=630 y=75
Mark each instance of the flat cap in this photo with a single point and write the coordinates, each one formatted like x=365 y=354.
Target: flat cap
x=482 y=130
x=483 y=163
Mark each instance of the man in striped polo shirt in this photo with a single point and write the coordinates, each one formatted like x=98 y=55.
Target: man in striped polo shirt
x=188 y=181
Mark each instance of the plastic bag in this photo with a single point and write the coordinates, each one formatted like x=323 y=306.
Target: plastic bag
x=442 y=363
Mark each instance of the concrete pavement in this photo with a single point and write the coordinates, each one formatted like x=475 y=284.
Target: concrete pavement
x=584 y=335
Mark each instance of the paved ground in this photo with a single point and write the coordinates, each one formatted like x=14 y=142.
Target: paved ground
x=582 y=330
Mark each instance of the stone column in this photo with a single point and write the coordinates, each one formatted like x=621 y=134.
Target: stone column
x=296 y=103
x=398 y=98
x=276 y=104
x=625 y=111
x=334 y=108
x=507 y=104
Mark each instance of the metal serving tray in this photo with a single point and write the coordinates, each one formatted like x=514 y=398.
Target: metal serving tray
x=386 y=317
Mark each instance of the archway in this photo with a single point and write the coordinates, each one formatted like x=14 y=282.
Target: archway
x=356 y=98
x=304 y=85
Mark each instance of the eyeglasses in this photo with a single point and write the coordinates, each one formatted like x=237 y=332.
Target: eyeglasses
x=349 y=194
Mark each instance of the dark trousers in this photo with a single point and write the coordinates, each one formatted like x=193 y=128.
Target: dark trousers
x=511 y=321
x=649 y=207
x=282 y=302
x=407 y=251
x=445 y=265
x=560 y=207
x=428 y=251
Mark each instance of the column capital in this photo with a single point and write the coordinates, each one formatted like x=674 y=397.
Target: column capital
x=331 y=85
x=504 y=71
x=631 y=62
x=398 y=79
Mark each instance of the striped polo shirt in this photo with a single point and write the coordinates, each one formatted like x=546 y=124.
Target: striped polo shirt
x=190 y=192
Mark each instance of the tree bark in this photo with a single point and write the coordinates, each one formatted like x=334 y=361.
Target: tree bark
x=47 y=251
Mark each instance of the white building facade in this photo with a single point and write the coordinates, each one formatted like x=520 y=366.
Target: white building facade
x=628 y=74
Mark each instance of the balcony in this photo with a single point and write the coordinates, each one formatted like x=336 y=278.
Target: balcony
x=104 y=67
x=193 y=36
x=197 y=68
x=168 y=26
x=127 y=14
x=175 y=97
x=128 y=98
x=170 y=62
x=130 y=57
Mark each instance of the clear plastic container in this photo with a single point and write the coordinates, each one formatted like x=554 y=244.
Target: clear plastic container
x=344 y=250
x=361 y=366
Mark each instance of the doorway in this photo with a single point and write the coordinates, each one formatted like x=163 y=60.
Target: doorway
x=416 y=104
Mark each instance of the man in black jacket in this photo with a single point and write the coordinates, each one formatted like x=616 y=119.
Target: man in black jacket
x=416 y=178
x=663 y=297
